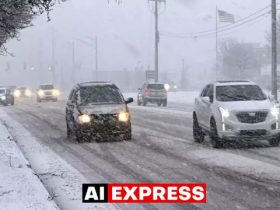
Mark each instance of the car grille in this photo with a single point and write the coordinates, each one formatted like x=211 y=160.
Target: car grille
x=253 y=133
x=48 y=93
x=252 y=117
x=105 y=122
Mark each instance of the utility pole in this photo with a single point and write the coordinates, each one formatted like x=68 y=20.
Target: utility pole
x=96 y=57
x=73 y=62
x=274 y=49
x=157 y=39
x=53 y=58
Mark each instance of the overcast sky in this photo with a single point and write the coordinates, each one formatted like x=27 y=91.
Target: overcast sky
x=126 y=34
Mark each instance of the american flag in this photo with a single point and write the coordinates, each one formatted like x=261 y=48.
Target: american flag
x=225 y=17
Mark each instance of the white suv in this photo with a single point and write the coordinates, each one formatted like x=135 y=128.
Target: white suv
x=232 y=110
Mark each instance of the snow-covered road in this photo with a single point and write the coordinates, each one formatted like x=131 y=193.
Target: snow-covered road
x=245 y=176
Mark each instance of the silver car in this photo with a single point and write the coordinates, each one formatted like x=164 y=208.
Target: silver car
x=152 y=93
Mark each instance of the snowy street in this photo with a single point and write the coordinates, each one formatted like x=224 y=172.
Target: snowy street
x=242 y=176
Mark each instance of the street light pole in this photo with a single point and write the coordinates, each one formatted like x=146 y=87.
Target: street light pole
x=274 y=49
x=156 y=41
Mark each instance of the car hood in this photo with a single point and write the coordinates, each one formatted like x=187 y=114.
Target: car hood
x=246 y=105
x=103 y=109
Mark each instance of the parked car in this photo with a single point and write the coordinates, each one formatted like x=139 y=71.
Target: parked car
x=22 y=92
x=97 y=110
x=6 y=97
x=47 y=92
x=152 y=93
x=233 y=110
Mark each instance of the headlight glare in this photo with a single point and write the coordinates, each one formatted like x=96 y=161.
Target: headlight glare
x=27 y=92
x=225 y=113
x=3 y=98
x=41 y=93
x=56 y=93
x=83 y=119
x=17 y=93
x=274 y=111
x=123 y=116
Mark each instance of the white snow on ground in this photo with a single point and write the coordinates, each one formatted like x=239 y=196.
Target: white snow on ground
x=20 y=188
x=63 y=182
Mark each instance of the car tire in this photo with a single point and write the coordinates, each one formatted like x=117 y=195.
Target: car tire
x=128 y=136
x=159 y=104
x=55 y=100
x=198 y=135
x=39 y=100
x=165 y=103
x=216 y=141
x=138 y=102
x=12 y=103
x=68 y=130
x=78 y=136
x=274 y=142
x=144 y=102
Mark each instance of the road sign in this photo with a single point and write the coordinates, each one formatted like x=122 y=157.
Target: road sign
x=150 y=76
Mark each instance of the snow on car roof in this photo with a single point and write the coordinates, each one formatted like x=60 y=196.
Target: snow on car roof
x=85 y=84
x=236 y=82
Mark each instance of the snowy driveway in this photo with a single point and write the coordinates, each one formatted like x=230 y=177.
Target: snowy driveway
x=162 y=150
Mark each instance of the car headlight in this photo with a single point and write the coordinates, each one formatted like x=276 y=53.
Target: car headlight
x=167 y=87
x=27 y=93
x=225 y=113
x=3 y=98
x=17 y=93
x=41 y=93
x=275 y=111
x=84 y=119
x=123 y=116
x=56 y=93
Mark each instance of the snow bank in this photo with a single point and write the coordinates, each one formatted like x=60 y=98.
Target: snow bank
x=20 y=188
x=63 y=182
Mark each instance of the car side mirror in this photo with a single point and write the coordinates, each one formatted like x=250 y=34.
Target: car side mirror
x=271 y=97
x=206 y=99
x=129 y=100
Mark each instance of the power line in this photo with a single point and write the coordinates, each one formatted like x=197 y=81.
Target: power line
x=221 y=29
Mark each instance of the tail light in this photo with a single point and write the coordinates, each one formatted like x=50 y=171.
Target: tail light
x=146 y=90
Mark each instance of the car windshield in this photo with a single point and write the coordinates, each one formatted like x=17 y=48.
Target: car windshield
x=47 y=87
x=100 y=95
x=2 y=91
x=239 y=93
x=155 y=86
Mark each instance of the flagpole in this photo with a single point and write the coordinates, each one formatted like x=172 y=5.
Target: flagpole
x=216 y=43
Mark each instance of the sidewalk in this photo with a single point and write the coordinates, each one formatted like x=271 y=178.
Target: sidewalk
x=20 y=188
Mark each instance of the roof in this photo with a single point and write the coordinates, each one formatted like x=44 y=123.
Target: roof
x=87 y=84
x=234 y=82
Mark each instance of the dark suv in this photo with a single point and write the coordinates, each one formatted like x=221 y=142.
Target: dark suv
x=97 y=110
x=6 y=97
x=152 y=93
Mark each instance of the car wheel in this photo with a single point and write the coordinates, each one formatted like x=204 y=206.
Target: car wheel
x=12 y=103
x=274 y=142
x=198 y=135
x=165 y=103
x=159 y=104
x=127 y=136
x=216 y=141
x=78 y=136
x=138 y=102
x=68 y=130
x=144 y=102
x=38 y=100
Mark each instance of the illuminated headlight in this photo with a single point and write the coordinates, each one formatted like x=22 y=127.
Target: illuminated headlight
x=175 y=87
x=84 y=119
x=167 y=87
x=275 y=112
x=56 y=93
x=17 y=93
x=3 y=98
x=225 y=113
x=123 y=116
x=41 y=93
x=27 y=92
